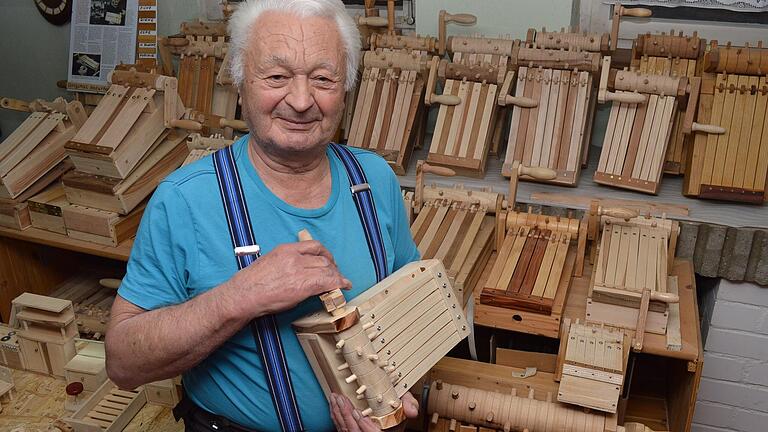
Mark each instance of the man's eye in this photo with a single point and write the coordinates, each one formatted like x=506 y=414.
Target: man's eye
x=277 y=78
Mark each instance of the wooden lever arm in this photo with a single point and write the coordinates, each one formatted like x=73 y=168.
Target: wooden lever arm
x=635 y=12
x=15 y=104
x=444 y=99
x=372 y=21
x=539 y=173
x=461 y=18
x=617 y=212
x=629 y=98
x=523 y=102
x=708 y=128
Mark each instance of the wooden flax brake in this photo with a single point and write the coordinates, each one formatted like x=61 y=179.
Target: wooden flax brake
x=376 y=347
x=454 y=225
x=553 y=102
x=678 y=56
x=36 y=147
x=729 y=160
x=388 y=109
x=631 y=287
x=536 y=256
x=640 y=125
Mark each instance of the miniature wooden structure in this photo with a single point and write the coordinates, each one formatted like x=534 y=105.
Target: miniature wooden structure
x=593 y=366
x=388 y=110
x=87 y=369
x=475 y=83
x=673 y=55
x=46 y=332
x=162 y=393
x=123 y=195
x=631 y=279
x=640 y=125
x=387 y=338
x=10 y=354
x=108 y=409
x=454 y=225
x=36 y=147
x=45 y=209
x=554 y=102
x=729 y=160
x=200 y=146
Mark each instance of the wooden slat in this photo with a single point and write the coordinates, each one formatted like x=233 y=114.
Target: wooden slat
x=442 y=130
x=458 y=120
x=642 y=259
x=653 y=138
x=368 y=101
x=535 y=264
x=762 y=164
x=466 y=245
x=735 y=144
x=542 y=116
x=434 y=225
x=451 y=235
x=475 y=124
x=645 y=136
x=381 y=110
x=613 y=257
x=502 y=258
x=21 y=133
x=357 y=117
x=514 y=143
x=481 y=143
x=464 y=142
x=546 y=265
x=618 y=133
x=638 y=129
x=552 y=111
x=127 y=117
x=630 y=280
x=661 y=144
x=558 y=156
x=439 y=236
x=524 y=261
x=401 y=133
x=513 y=259
x=724 y=139
x=557 y=266
x=101 y=114
x=608 y=139
x=716 y=118
x=35 y=137
x=533 y=116
x=755 y=132
x=395 y=117
x=580 y=117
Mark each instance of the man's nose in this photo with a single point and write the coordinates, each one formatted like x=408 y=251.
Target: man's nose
x=300 y=96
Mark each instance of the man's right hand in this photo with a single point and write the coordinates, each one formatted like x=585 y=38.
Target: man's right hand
x=286 y=276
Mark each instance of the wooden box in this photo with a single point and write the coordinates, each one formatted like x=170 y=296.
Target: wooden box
x=10 y=354
x=91 y=371
x=45 y=209
x=101 y=226
x=14 y=215
x=162 y=393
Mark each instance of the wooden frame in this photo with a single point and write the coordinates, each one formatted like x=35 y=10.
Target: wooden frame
x=388 y=107
x=45 y=209
x=411 y=320
x=108 y=409
x=729 y=160
x=100 y=226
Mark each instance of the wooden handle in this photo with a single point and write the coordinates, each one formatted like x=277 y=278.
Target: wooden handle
x=635 y=12
x=707 y=128
x=187 y=124
x=630 y=98
x=445 y=99
x=461 y=18
x=522 y=102
x=333 y=301
x=374 y=21
x=14 y=104
x=539 y=173
x=664 y=297
x=304 y=235
x=234 y=124
x=618 y=212
x=112 y=283
x=432 y=169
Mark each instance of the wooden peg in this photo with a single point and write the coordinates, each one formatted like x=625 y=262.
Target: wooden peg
x=186 y=124
x=617 y=212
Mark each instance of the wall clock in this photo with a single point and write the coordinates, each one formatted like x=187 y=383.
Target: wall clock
x=56 y=12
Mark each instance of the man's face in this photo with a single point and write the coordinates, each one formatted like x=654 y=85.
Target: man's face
x=293 y=89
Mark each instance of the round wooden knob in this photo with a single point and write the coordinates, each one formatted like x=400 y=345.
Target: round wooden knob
x=74 y=388
x=539 y=173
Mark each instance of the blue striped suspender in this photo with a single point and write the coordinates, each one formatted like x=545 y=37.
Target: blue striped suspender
x=363 y=197
x=264 y=328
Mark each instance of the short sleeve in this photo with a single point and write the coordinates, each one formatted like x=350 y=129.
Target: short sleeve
x=405 y=249
x=163 y=252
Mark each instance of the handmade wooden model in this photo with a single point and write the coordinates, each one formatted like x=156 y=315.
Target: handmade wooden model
x=640 y=125
x=109 y=409
x=630 y=288
x=10 y=354
x=673 y=55
x=593 y=367
x=46 y=332
x=388 y=108
x=729 y=160
x=101 y=226
x=36 y=147
x=553 y=102
x=377 y=346
x=476 y=82
x=454 y=225
x=200 y=146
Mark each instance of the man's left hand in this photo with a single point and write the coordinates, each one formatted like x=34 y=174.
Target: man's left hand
x=348 y=419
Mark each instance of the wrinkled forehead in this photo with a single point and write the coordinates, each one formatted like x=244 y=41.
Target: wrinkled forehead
x=300 y=41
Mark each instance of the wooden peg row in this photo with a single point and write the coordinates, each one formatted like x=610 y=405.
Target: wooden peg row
x=737 y=60
x=399 y=60
x=557 y=40
x=691 y=47
x=483 y=72
x=647 y=83
x=399 y=42
x=481 y=45
x=132 y=78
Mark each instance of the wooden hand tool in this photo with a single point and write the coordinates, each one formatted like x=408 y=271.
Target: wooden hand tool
x=444 y=18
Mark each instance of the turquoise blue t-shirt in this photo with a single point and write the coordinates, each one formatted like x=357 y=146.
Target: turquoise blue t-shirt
x=183 y=248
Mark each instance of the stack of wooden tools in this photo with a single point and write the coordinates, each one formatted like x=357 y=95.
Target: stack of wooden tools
x=729 y=160
x=640 y=125
x=205 y=85
x=554 y=102
x=200 y=146
x=374 y=349
x=33 y=156
x=475 y=84
x=632 y=287
x=454 y=225
x=536 y=257
x=120 y=155
x=673 y=55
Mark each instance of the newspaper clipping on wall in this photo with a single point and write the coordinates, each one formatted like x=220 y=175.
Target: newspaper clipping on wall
x=103 y=35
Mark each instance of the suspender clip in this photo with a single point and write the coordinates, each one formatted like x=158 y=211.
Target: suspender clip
x=247 y=250
x=359 y=188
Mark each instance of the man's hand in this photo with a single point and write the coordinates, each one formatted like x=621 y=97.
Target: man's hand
x=348 y=419
x=286 y=276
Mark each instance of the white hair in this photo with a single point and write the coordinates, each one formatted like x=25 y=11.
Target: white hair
x=241 y=22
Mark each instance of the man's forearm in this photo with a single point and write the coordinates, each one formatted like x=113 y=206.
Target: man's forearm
x=165 y=342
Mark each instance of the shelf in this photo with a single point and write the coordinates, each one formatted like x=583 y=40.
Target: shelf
x=36 y=235
x=721 y=213
x=46 y=318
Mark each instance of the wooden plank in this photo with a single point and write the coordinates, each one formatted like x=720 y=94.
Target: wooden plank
x=475 y=123
x=532 y=129
x=608 y=139
x=439 y=236
x=724 y=139
x=579 y=120
x=755 y=150
x=618 y=133
x=464 y=142
x=558 y=156
x=557 y=266
x=20 y=133
x=407 y=113
x=762 y=164
x=674 y=337
x=364 y=125
x=630 y=279
x=655 y=139
x=625 y=135
x=481 y=144
x=458 y=120
x=546 y=265
x=535 y=264
x=735 y=145
x=502 y=258
x=466 y=245
x=638 y=128
x=710 y=150
x=443 y=119
x=381 y=110
x=515 y=122
x=542 y=116
x=552 y=111
x=127 y=117
x=623 y=258
x=395 y=117
x=520 y=238
x=419 y=229
x=451 y=235
x=613 y=257
x=30 y=143
x=524 y=261
x=665 y=126
x=645 y=136
x=525 y=114
x=357 y=117
x=434 y=226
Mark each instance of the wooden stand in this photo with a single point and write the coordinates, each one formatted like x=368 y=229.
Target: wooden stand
x=729 y=160
x=108 y=409
x=407 y=322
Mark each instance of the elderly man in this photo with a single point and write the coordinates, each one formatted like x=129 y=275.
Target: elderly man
x=183 y=306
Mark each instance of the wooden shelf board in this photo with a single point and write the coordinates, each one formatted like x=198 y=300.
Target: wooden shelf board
x=36 y=235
